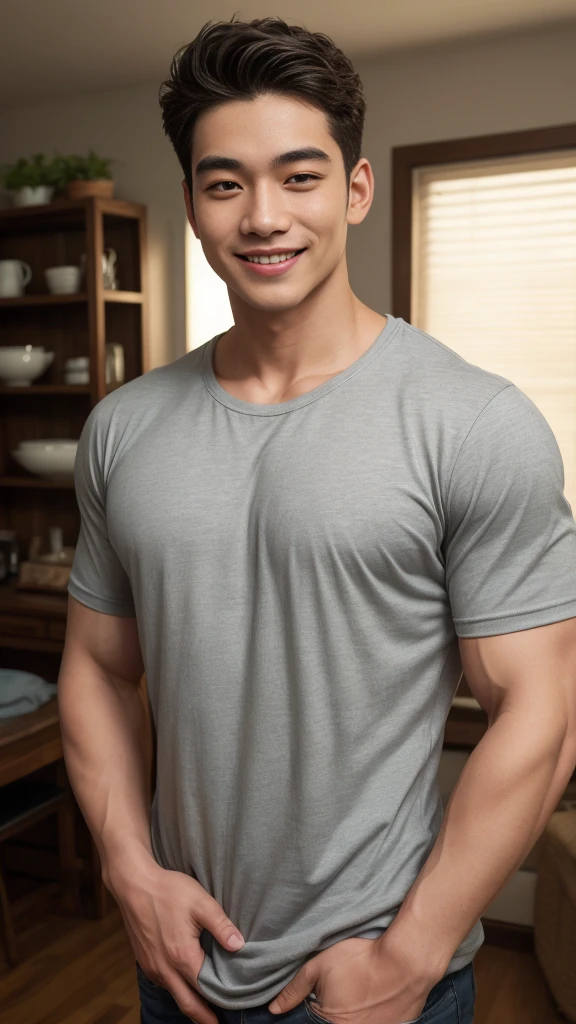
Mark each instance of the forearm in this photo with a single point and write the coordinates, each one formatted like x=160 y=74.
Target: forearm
x=103 y=725
x=502 y=801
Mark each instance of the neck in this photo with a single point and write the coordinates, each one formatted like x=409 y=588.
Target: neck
x=323 y=335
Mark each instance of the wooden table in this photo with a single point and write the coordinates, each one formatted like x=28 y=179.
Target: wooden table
x=33 y=740
x=34 y=623
x=29 y=742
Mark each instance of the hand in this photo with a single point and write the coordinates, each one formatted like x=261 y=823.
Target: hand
x=164 y=913
x=358 y=981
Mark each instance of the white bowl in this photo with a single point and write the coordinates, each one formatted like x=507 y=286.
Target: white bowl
x=42 y=441
x=53 y=460
x=21 y=364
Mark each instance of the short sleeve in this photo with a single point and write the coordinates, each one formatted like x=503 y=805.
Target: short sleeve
x=510 y=539
x=97 y=577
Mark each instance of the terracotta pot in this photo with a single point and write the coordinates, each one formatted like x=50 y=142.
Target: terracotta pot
x=102 y=188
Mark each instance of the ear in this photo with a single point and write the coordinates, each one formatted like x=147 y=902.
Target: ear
x=361 y=192
x=189 y=207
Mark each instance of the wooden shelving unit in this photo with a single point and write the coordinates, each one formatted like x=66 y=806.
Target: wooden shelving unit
x=46 y=389
x=33 y=623
x=69 y=325
x=54 y=300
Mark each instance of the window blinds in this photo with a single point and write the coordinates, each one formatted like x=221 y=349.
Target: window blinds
x=494 y=276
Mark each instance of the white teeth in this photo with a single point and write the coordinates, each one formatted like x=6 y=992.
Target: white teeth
x=279 y=258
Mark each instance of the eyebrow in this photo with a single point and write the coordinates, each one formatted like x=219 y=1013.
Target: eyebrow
x=228 y=163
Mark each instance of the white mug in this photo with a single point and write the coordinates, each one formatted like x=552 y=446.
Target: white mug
x=62 y=280
x=14 y=275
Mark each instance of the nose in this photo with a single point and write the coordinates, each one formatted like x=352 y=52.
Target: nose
x=265 y=211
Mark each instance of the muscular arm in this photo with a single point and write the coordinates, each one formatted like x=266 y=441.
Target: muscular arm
x=511 y=783
x=103 y=726
x=103 y=733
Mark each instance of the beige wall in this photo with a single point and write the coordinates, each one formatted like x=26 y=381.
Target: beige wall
x=526 y=80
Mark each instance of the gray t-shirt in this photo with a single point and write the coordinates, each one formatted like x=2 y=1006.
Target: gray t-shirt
x=300 y=574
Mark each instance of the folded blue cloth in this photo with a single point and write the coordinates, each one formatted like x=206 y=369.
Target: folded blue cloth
x=22 y=692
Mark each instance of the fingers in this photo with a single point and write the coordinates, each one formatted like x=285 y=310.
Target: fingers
x=164 y=923
x=296 y=990
x=209 y=914
x=189 y=1001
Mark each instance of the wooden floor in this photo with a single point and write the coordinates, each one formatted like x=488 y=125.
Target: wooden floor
x=81 y=971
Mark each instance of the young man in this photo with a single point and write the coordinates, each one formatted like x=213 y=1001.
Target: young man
x=300 y=530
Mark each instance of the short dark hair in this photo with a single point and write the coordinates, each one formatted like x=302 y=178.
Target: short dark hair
x=237 y=60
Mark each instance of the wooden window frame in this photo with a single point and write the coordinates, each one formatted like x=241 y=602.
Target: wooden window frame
x=406 y=159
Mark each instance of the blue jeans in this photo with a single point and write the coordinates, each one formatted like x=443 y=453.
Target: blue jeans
x=450 y=1001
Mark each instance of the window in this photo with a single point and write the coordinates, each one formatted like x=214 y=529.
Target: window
x=493 y=273
x=208 y=309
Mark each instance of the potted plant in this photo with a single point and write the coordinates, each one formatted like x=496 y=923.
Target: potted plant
x=31 y=181
x=83 y=176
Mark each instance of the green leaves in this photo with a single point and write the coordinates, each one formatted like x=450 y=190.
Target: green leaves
x=32 y=172
x=39 y=170
x=82 y=168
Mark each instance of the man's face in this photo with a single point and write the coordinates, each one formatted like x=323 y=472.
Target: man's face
x=268 y=178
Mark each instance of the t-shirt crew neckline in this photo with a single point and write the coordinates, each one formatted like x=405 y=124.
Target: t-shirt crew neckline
x=280 y=408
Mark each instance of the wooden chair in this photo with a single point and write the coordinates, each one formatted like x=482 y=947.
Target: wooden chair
x=23 y=803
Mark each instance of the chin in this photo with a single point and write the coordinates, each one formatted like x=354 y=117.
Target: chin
x=274 y=307
x=278 y=303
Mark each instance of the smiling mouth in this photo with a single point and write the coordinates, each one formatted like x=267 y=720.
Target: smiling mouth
x=280 y=257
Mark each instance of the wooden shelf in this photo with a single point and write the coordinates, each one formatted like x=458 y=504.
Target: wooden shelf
x=46 y=299
x=120 y=296
x=45 y=389
x=42 y=299
x=56 y=389
x=69 y=211
x=61 y=233
x=35 y=481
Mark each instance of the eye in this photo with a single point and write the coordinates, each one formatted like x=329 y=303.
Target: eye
x=305 y=175
x=215 y=188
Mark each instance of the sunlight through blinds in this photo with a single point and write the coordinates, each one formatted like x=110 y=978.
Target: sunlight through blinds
x=494 y=276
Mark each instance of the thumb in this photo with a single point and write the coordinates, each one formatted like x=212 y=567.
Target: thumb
x=295 y=991
x=211 y=916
